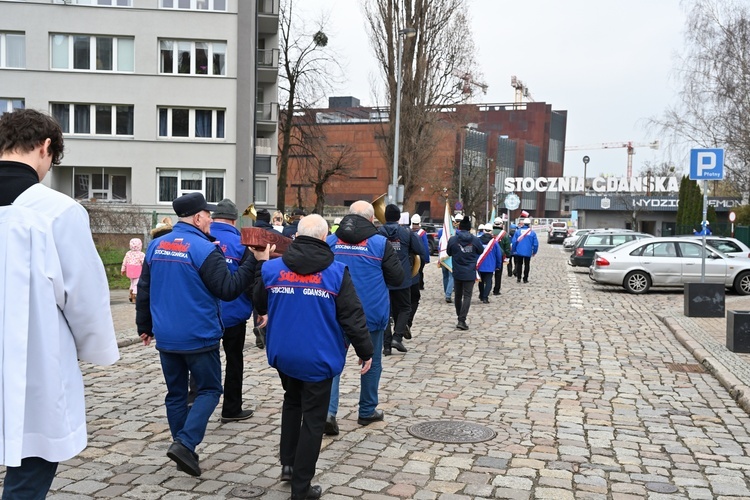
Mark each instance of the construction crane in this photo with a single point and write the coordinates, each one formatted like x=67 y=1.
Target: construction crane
x=522 y=91
x=630 y=145
x=468 y=82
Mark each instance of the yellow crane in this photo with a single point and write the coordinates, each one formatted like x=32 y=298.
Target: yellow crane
x=629 y=145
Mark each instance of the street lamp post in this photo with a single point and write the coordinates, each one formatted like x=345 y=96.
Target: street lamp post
x=585 y=164
x=393 y=189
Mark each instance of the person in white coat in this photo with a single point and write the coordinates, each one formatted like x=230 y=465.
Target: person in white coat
x=54 y=309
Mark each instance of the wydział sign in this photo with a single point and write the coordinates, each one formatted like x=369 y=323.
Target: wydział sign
x=599 y=184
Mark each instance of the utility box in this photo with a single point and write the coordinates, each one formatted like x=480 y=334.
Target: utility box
x=738 y=331
x=704 y=300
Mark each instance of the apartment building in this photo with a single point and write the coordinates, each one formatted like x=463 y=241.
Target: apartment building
x=157 y=98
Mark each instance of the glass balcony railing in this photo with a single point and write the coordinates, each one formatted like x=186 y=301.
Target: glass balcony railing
x=267 y=112
x=270 y=7
x=268 y=58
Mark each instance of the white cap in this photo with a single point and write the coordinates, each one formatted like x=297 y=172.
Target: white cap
x=416 y=219
x=458 y=217
x=337 y=220
x=527 y=221
x=498 y=221
x=481 y=227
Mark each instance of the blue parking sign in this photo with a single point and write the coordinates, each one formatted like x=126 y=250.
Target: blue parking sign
x=706 y=164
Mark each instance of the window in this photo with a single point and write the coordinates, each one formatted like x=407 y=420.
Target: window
x=12 y=50
x=8 y=104
x=191 y=123
x=215 y=5
x=192 y=58
x=99 y=186
x=261 y=190
x=174 y=183
x=94 y=119
x=92 y=53
x=665 y=249
x=110 y=3
x=720 y=245
x=691 y=250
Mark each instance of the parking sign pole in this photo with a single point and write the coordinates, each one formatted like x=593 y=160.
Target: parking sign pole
x=703 y=226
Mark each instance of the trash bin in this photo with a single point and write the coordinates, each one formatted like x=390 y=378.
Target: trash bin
x=738 y=331
x=704 y=300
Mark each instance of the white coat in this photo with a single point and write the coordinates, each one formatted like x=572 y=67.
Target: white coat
x=54 y=310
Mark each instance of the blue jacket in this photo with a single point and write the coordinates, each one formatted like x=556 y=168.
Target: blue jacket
x=528 y=246
x=493 y=260
x=404 y=242
x=465 y=248
x=228 y=237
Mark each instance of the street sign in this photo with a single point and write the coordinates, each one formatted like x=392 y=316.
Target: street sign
x=732 y=216
x=458 y=205
x=706 y=164
x=512 y=201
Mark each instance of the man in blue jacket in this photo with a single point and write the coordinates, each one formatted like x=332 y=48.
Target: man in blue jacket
x=465 y=248
x=524 y=246
x=488 y=262
x=234 y=314
x=405 y=243
x=183 y=279
x=313 y=313
x=373 y=265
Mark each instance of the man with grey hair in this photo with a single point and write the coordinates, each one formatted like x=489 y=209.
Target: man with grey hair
x=373 y=265
x=306 y=282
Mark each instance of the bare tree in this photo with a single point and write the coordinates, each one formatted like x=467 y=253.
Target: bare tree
x=308 y=71
x=327 y=162
x=433 y=65
x=714 y=104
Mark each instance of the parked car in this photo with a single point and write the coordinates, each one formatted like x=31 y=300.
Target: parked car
x=557 y=232
x=668 y=261
x=725 y=244
x=432 y=229
x=600 y=241
x=570 y=241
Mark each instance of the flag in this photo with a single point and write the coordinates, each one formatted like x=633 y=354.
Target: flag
x=524 y=213
x=445 y=260
x=493 y=215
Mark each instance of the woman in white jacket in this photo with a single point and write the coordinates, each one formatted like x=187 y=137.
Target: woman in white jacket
x=54 y=309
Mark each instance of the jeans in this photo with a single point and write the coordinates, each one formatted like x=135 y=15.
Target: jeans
x=303 y=419
x=234 y=343
x=447 y=282
x=369 y=382
x=463 y=298
x=188 y=425
x=485 y=285
x=29 y=481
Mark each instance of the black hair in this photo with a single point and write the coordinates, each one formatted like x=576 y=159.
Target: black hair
x=24 y=129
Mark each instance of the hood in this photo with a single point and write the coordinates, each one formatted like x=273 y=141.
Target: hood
x=355 y=228
x=136 y=245
x=263 y=225
x=485 y=238
x=464 y=236
x=308 y=255
x=390 y=229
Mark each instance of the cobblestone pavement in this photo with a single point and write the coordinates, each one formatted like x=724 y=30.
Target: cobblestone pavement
x=573 y=377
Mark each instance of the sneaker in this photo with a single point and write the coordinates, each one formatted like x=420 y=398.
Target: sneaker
x=331 y=428
x=243 y=415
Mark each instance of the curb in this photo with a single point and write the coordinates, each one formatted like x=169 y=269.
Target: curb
x=738 y=390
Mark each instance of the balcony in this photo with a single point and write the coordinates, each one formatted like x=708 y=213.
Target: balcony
x=268 y=65
x=267 y=116
x=268 y=16
x=264 y=146
x=268 y=7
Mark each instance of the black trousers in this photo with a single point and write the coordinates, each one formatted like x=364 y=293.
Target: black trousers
x=498 y=280
x=416 y=295
x=234 y=343
x=463 y=291
x=510 y=264
x=485 y=285
x=522 y=263
x=400 y=311
x=303 y=419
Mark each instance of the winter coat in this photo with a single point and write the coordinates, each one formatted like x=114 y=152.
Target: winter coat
x=526 y=246
x=405 y=243
x=227 y=236
x=465 y=248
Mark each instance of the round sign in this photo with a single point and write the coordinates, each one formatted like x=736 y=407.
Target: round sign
x=586 y=159
x=512 y=201
x=732 y=216
x=458 y=205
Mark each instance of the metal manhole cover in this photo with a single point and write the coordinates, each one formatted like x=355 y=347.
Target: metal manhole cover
x=247 y=491
x=685 y=367
x=451 y=431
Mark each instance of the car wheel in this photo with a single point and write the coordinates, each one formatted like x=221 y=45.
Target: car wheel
x=742 y=283
x=637 y=282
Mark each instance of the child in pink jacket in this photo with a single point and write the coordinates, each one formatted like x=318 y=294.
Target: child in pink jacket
x=131 y=265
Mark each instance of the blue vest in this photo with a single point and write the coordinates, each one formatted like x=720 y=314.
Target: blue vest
x=365 y=263
x=228 y=237
x=303 y=338
x=184 y=312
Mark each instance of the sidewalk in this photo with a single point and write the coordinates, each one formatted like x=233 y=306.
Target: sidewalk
x=705 y=338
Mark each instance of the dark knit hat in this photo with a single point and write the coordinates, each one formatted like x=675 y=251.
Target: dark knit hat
x=263 y=215
x=465 y=224
x=190 y=204
x=298 y=212
x=225 y=209
x=392 y=213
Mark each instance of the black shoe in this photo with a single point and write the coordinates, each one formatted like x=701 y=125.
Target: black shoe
x=525 y=281
x=286 y=473
x=260 y=337
x=376 y=416
x=518 y=280
x=398 y=345
x=496 y=293
x=448 y=300
x=331 y=428
x=186 y=460
x=243 y=415
x=387 y=351
x=461 y=325
x=486 y=301
x=312 y=492
x=407 y=333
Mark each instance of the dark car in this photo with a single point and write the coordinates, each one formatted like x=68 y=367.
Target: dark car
x=432 y=229
x=600 y=241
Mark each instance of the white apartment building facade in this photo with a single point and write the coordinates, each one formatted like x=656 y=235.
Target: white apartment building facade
x=156 y=98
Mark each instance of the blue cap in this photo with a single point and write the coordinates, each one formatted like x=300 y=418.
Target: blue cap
x=513 y=226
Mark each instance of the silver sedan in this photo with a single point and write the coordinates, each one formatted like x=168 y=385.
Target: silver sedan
x=668 y=261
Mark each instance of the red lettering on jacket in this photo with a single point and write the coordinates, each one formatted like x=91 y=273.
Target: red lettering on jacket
x=293 y=277
x=174 y=246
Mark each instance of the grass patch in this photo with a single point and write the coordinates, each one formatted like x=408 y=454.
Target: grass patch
x=112 y=259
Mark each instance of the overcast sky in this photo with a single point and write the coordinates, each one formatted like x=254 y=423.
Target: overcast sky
x=610 y=64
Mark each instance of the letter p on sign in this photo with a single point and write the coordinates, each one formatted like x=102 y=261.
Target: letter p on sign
x=706 y=164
